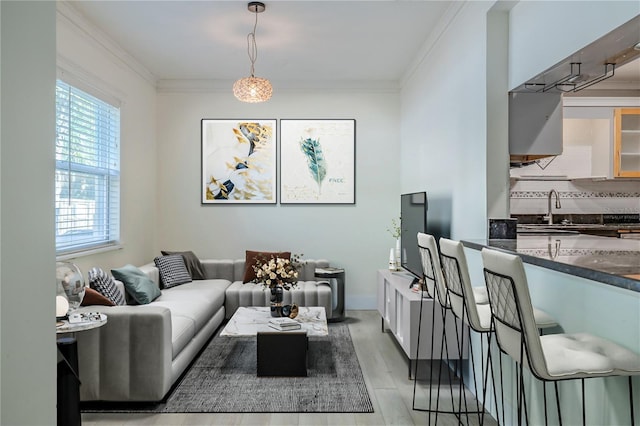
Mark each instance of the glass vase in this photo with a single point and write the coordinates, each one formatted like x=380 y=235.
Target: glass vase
x=277 y=295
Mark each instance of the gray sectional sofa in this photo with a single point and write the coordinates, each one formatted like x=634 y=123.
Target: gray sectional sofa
x=143 y=349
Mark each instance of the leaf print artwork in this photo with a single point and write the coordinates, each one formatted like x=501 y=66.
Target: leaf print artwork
x=315 y=160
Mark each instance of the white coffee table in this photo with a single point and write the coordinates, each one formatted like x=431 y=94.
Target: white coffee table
x=248 y=321
x=278 y=353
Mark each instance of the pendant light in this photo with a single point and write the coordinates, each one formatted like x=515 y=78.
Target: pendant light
x=253 y=89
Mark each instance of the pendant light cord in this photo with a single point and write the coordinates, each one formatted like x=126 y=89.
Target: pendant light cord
x=252 y=47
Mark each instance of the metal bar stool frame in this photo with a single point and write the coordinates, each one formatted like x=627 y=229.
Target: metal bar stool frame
x=436 y=289
x=504 y=296
x=468 y=314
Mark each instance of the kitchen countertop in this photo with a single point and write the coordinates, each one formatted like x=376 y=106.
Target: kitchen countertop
x=580 y=226
x=612 y=261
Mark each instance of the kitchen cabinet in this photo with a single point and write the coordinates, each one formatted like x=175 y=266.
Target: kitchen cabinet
x=601 y=140
x=626 y=155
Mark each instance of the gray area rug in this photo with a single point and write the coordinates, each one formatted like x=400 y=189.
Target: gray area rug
x=223 y=380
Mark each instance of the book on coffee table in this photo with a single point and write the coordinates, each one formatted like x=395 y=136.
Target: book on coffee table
x=284 y=323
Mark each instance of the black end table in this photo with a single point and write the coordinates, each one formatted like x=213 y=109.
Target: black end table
x=334 y=275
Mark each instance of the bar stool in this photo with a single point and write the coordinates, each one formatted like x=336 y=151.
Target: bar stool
x=436 y=289
x=466 y=307
x=553 y=357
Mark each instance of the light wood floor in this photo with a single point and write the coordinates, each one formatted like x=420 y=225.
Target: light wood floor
x=385 y=371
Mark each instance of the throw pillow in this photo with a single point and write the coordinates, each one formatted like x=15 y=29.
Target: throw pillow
x=252 y=256
x=192 y=262
x=138 y=285
x=92 y=297
x=104 y=284
x=173 y=271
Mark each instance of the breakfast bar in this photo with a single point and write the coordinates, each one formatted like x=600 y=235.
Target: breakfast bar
x=612 y=261
x=588 y=284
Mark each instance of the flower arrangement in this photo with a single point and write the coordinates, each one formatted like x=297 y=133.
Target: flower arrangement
x=277 y=271
x=395 y=230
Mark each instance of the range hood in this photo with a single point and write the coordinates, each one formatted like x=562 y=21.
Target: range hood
x=535 y=126
x=535 y=107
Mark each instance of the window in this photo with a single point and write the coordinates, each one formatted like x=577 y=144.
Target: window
x=87 y=181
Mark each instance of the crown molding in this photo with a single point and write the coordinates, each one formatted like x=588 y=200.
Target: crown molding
x=67 y=13
x=78 y=76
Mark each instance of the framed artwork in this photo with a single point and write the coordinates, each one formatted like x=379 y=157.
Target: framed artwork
x=317 y=161
x=238 y=161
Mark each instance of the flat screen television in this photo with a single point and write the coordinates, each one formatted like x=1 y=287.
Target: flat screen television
x=413 y=219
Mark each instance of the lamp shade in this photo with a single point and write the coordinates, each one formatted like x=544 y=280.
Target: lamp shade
x=62 y=306
x=252 y=89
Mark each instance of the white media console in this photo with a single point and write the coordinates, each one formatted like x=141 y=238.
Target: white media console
x=399 y=308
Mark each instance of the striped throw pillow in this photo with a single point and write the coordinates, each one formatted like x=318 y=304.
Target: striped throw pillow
x=104 y=284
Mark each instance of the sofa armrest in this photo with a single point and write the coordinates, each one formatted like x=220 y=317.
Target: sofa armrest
x=129 y=358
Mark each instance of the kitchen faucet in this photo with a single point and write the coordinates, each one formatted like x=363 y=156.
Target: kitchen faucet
x=549 y=216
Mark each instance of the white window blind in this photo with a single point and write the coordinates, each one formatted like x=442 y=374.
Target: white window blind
x=87 y=181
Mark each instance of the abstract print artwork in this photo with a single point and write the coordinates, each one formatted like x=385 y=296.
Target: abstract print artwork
x=317 y=161
x=238 y=161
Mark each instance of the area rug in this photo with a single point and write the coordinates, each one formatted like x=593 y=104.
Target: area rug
x=223 y=380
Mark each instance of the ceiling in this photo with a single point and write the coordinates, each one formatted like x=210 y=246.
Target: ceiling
x=305 y=43
x=298 y=41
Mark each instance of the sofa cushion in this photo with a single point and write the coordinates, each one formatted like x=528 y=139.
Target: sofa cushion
x=172 y=270
x=93 y=297
x=182 y=331
x=104 y=284
x=306 y=293
x=192 y=262
x=137 y=284
x=197 y=300
x=252 y=256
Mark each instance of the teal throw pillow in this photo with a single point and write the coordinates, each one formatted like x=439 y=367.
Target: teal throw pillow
x=139 y=286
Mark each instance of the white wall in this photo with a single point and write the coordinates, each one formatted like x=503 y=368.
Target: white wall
x=89 y=59
x=349 y=236
x=27 y=293
x=542 y=33
x=443 y=122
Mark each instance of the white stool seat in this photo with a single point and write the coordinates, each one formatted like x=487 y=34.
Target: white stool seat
x=543 y=319
x=585 y=355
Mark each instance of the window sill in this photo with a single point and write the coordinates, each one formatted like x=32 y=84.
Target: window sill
x=88 y=252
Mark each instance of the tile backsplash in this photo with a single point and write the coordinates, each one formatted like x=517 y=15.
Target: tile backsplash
x=576 y=197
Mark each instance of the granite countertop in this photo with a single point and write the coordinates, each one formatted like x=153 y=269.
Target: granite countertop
x=613 y=261
x=578 y=226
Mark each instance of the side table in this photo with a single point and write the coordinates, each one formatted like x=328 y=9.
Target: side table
x=335 y=277
x=68 y=386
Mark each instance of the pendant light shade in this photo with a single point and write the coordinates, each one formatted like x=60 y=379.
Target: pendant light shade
x=253 y=89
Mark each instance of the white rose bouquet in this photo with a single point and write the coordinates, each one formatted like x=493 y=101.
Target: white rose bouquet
x=277 y=271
